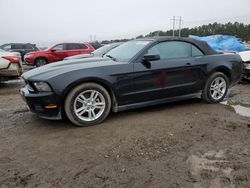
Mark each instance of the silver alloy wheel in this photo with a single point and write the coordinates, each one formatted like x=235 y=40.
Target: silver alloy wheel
x=218 y=88
x=40 y=62
x=89 y=105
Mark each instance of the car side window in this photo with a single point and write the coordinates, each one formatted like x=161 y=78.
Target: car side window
x=24 y=47
x=71 y=46
x=6 y=47
x=171 y=50
x=28 y=47
x=196 y=52
x=82 y=46
x=16 y=46
x=59 y=47
x=75 y=47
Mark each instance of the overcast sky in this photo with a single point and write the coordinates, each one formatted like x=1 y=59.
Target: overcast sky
x=48 y=21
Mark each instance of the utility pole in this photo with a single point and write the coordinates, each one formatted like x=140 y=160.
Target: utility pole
x=179 y=21
x=173 y=26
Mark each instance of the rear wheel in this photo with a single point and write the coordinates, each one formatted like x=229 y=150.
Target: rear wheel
x=40 y=62
x=87 y=104
x=216 y=88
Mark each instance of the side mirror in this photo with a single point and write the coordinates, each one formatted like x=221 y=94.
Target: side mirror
x=52 y=50
x=151 y=58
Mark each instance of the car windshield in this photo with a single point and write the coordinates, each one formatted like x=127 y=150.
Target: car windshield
x=50 y=47
x=102 y=50
x=125 y=52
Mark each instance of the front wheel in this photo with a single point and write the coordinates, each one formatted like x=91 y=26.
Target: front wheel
x=87 y=104
x=216 y=88
x=40 y=62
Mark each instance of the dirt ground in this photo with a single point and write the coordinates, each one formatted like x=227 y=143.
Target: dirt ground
x=184 y=144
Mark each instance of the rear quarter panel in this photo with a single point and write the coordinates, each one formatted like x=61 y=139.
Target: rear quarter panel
x=231 y=63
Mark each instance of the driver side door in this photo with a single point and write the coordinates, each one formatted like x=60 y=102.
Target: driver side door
x=175 y=74
x=59 y=52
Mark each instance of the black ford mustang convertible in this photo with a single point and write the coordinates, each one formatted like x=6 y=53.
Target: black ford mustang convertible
x=138 y=73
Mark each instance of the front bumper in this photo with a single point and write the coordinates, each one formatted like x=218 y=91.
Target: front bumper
x=28 y=60
x=38 y=103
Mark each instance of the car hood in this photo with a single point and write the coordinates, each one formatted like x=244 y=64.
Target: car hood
x=54 y=69
x=80 y=56
x=37 y=52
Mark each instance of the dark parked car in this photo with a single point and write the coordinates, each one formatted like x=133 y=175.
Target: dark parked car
x=137 y=73
x=97 y=53
x=22 y=48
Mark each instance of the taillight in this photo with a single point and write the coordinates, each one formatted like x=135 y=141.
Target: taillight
x=12 y=59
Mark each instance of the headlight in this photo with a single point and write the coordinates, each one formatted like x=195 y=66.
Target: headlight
x=42 y=86
x=27 y=55
x=247 y=66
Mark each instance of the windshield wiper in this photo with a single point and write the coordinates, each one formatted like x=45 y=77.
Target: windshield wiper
x=111 y=57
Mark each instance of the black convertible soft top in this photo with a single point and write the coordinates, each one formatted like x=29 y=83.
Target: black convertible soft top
x=202 y=45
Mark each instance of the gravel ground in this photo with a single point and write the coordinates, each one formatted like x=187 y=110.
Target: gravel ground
x=183 y=144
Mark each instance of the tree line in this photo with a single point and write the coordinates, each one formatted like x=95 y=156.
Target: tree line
x=237 y=29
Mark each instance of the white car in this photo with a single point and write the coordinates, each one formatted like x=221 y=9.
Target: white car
x=245 y=56
x=10 y=65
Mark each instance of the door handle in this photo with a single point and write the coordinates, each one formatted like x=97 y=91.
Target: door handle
x=188 y=64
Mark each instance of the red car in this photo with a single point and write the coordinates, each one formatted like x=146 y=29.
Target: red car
x=57 y=53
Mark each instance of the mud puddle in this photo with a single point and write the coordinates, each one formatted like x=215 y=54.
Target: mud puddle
x=211 y=169
x=241 y=109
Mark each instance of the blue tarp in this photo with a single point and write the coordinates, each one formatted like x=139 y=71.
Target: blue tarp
x=222 y=42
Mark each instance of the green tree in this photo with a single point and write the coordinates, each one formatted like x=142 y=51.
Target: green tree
x=236 y=29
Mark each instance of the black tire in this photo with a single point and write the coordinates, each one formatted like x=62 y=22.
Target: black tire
x=40 y=62
x=206 y=93
x=75 y=92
